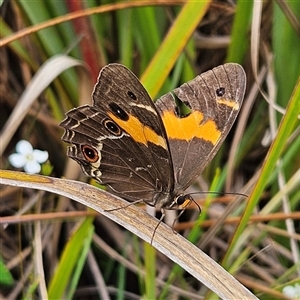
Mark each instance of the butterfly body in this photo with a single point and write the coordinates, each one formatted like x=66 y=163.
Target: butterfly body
x=149 y=152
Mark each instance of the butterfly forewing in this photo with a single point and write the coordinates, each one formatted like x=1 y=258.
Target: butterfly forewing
x=125 y=131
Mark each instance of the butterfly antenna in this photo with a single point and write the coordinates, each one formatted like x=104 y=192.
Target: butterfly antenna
x=221 y=194
x=199 y=208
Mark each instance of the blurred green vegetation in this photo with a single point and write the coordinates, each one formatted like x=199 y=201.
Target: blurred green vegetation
x=165 y=45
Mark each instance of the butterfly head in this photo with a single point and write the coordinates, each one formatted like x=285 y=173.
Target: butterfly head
x=180 y=202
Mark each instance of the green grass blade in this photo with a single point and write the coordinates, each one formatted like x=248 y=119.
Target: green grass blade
x=69 y=260
x=6 y=278
x=81 y=262
x=126 y=45
x=50 y=37
x=16 y=46
x=150 y=268
x=286 y=45
x=287 y=124
x=237 y=50
x=145 y=21
x=121 y=281
x=176 y=39
x=55 y=39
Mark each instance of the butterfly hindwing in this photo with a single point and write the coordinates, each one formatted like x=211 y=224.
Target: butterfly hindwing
x=214 y=99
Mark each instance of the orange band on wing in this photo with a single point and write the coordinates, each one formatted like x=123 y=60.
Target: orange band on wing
x=190 y=126
x=139 y=132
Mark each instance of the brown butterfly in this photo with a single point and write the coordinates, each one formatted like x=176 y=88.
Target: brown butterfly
x=149 y=152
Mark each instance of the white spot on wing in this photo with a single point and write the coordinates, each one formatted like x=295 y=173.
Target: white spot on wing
x=147 y=107
x=140 y=169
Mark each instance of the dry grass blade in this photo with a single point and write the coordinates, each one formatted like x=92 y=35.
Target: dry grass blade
x=140 y=223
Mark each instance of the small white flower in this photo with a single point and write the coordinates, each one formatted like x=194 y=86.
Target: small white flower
x=292 y=291
x=28 y=158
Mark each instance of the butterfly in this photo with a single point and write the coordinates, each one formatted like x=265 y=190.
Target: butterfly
x=152 y=152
